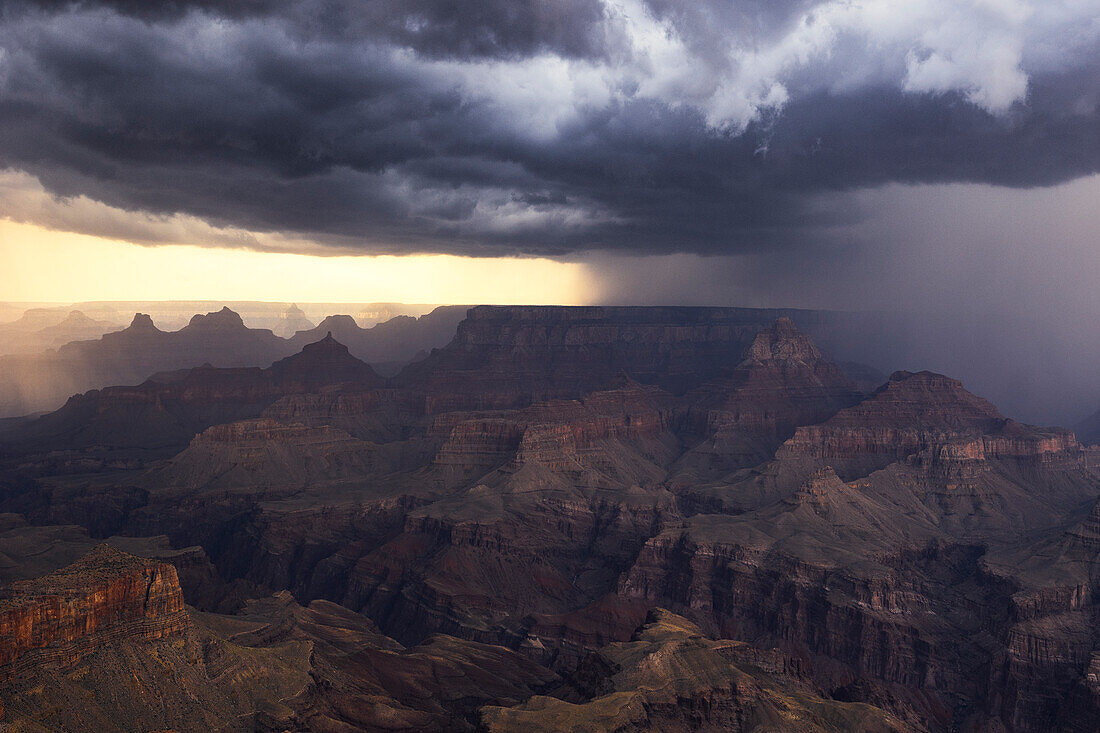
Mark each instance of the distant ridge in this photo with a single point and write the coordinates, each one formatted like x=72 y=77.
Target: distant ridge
x=169 y=410
x=43 y=381
x=41 y=328
x=399 y=339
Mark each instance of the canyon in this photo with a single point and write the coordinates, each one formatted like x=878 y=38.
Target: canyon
x=609 y=518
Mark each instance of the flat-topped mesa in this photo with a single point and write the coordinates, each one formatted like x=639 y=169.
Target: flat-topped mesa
x=627 y=314
x=142 y=322
x=914 y=412
x=76 y=319
x=1012 y=440
x=262 y=431
x=509 y=356
x=223 y=320
x=105 y=596
x=342 y=327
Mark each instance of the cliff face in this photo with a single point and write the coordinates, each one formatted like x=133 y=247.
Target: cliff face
x=505 y=356
x=557 y=433
x=543 y=507
x=108 y=594
x=894 y=625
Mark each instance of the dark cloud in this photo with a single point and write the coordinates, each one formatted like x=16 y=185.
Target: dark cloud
x=505 y=127
x=153 y=9
x=992 y=286
x=437 y=28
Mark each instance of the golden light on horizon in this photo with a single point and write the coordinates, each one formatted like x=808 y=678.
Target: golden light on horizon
x=40 y=265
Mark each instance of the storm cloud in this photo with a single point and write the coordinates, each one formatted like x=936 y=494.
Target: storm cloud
x=550 y=128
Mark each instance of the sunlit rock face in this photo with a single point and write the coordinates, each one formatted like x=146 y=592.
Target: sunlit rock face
x=57 y=619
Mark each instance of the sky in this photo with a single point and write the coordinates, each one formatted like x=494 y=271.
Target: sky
x=932 y=157
x=527 y=127
x=62 y=267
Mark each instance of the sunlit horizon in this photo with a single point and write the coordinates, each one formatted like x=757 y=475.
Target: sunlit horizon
x=45 y=266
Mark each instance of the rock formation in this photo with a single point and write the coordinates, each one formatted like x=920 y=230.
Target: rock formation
x=106 y=644
x=293 y=321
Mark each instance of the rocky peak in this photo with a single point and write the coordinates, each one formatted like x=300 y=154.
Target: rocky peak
x=222 y=320
x=819 y=486
x=338 y=323
x=325 y=362
x=782 y=342
x=664 y=625
x=327 y=348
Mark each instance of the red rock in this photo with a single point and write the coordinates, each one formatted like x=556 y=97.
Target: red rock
x=104 y=595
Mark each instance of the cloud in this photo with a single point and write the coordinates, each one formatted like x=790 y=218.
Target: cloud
x=538 y=128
